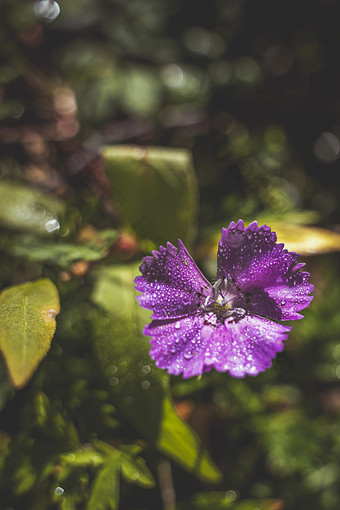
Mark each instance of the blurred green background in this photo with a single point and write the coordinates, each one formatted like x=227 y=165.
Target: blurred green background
x=124 y=125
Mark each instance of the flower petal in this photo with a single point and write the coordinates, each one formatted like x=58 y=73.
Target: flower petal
x=193 y=345
x=293 y=296
x=177 y=346
x=245 y=346
x=268 y=275
x=171 y=283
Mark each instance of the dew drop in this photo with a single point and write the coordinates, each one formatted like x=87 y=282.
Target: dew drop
x=177 y=325
x=51 y=314
x=188 y=355
x=144 y=370
x=283 y=303
x=145 y=385
x=58 y=491
x=52 y=225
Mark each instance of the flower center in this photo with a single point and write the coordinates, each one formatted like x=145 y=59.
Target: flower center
x=221 y=301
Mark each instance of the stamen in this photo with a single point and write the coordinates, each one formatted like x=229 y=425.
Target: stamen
x=221 y=302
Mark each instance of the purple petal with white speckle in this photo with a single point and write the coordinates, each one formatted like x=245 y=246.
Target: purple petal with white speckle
x=190 y=346
x=252 y=259
x=171 y=283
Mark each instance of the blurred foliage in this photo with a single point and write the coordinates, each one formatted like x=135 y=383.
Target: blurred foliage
x=101 y=106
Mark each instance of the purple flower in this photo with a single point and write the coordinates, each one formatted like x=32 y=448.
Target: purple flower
x=230 y=325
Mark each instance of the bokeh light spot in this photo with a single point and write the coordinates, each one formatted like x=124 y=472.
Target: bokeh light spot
x=327 y=147
x=47 y=9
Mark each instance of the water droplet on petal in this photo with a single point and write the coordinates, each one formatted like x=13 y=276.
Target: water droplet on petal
x=177 y=325
x=283 y=302
x=188 y=355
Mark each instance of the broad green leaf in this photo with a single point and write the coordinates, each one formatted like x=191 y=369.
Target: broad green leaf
x=105 y=489
x=178 y=441
x=27 y=325
x=155 y=190
x=140 y=390
x=24 y=208
x=63 y=254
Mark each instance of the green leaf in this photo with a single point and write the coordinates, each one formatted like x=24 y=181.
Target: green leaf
x=87 y=456
x=24 y=208
x=140 y=390
x=155 y=190
x=105 y=489
x=63 y=254
x=27 y=325
x=134 y=469
x=179 y=442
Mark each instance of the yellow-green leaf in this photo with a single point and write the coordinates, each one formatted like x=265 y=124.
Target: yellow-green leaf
x=306 y=240
x=27 y=325
x=301 y=239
